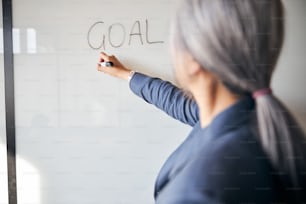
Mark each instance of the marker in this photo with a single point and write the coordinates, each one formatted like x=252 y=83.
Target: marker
x=106 y=64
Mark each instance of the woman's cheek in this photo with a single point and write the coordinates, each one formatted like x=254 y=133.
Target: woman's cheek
x=181 y=76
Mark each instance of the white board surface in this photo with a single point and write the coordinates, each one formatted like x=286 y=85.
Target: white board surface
x=83 y=136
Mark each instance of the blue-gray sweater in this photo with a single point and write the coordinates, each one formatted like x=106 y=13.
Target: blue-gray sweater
x=222 y=163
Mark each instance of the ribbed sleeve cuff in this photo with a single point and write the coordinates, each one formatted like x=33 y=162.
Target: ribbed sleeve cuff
x=137 y=82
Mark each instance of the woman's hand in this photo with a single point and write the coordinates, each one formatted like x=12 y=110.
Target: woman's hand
x=117 y=70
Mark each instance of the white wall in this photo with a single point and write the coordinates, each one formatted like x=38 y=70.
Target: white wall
x=3 y=164
x=289 y=80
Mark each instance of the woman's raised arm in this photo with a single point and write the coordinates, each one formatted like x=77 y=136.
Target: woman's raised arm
x=162 y=94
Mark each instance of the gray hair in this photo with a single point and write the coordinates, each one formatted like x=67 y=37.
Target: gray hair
x=240 y=41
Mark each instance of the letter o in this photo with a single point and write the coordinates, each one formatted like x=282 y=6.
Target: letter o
x=109 y=35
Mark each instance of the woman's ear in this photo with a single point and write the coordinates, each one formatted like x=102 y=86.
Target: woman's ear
x=196 y=70
x=194 y=67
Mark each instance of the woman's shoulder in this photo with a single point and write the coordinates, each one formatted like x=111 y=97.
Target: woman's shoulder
x=229 y=168
x=233 y=165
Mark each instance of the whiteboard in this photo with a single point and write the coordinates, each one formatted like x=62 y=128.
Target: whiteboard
x=83 y=136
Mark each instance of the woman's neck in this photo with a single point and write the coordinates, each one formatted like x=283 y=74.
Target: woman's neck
x=213 y=101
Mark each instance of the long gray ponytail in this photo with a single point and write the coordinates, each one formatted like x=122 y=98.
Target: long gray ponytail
x=240 y=41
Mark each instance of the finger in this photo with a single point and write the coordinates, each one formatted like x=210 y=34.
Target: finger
x=104 y=56
x=99 y=67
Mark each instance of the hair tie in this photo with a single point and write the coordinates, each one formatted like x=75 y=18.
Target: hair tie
x=262 y=92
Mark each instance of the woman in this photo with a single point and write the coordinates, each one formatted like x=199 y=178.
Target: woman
x=245 y=146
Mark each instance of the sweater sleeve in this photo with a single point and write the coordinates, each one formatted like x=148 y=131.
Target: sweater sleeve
x=166 y=97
